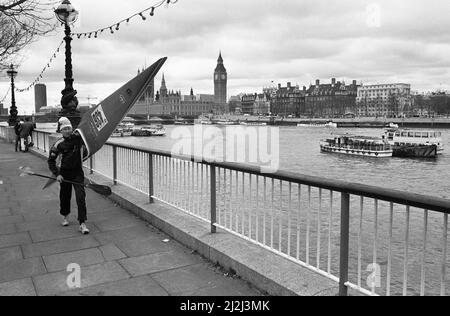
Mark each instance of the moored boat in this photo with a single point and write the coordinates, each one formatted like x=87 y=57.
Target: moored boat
x=392 y=125
x=116 y=133
x=152 y=130
x=329 y=124
x=226 y=122
x=203 y=122
x=182 y=122
x=357 y=146
x=415 y=151
x=253 y=124
x=422 y=144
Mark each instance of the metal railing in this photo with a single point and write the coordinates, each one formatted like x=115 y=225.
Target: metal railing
x=395 y=241
x=41 y=140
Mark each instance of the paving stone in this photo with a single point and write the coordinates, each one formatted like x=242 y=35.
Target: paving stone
x=7 y=229
x=236 y=289
x=143 y=246
x=110 y=252
x=59 y=246
x=139 y=231
x=140 y=286
x=54 y=283
x=40 y=215
x=7 y=203
x=44 y=224
x=115 y=223
x=14 y=240
x=158 y=262
x=202 y=280
x=10 y=254
x=12 y=219
x=35 y=199
x=188 y=279
x=5 y=212
x=83 y=258
x=20 y=269
x=58 y=232
x=22 y=287
x=106 y=215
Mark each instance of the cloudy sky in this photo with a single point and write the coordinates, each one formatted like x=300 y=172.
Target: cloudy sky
x=261 y=41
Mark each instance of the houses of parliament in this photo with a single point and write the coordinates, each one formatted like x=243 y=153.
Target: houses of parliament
x=173 y=103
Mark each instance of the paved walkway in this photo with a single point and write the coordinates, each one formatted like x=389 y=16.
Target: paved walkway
x=123 y=255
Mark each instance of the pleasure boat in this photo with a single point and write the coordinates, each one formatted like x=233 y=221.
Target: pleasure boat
x=253 y=123
x=152 y=130
x=329 y=124
x=357 y=146
x=410 y=143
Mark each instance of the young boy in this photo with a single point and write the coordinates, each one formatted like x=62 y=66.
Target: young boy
x=71 y=149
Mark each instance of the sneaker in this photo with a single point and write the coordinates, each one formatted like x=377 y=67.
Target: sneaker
x=65 y=222
x=83 y=229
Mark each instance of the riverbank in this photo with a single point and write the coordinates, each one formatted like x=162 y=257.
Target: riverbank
x=359 y=122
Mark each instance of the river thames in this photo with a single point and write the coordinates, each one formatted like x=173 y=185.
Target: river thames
x=300 y=152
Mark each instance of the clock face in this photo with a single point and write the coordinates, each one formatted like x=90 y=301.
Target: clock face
x=223 y=77
x=216 y=77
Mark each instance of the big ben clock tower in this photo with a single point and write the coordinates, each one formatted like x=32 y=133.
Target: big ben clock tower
x=220 y=82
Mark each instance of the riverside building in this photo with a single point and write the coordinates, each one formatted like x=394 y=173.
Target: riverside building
x=334 y=99
x=384 y=100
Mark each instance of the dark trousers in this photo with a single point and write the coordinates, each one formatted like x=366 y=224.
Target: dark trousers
x=18 y=142
x=65 y=195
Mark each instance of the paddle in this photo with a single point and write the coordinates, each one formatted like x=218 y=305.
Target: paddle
x=100 y=189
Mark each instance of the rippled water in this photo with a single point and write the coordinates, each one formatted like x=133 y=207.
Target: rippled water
x=300 y=152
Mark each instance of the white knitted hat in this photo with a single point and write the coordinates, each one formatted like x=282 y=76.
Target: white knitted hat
x=64 y=122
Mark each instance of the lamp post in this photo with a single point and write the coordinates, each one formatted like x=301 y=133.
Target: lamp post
x=13 y=111
x=66 y=14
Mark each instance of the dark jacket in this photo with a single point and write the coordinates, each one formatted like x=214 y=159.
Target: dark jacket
x=26 y=129
x=17 y=128
x=71 y=150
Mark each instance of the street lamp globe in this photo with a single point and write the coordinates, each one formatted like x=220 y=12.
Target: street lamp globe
x=11 y=72
x=66 y=13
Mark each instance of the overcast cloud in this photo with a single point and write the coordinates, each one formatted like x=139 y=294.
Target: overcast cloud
x=261 y=41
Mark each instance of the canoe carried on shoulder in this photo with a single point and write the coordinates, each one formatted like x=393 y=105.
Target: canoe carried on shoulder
x=99 y=123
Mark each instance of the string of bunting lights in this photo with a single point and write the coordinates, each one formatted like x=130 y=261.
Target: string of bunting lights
x=116 y=26
x=112 y=27
x=40 y=76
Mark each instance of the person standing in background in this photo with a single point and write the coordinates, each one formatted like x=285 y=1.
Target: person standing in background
x=17 y=128
x=25 y=133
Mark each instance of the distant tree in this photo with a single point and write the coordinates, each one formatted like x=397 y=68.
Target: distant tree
x=21 y=23
x=419 y=103
x=393 y=105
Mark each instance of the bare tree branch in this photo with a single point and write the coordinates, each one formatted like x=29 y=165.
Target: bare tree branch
x=11 y=5
x=21 y=23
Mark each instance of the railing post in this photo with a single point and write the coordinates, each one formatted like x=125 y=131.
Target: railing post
x=344 y=249
x=37 y=140
x=114 y=165
x=44 y=145
x=213 y=199
x=150 y=179
x=91 y=165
